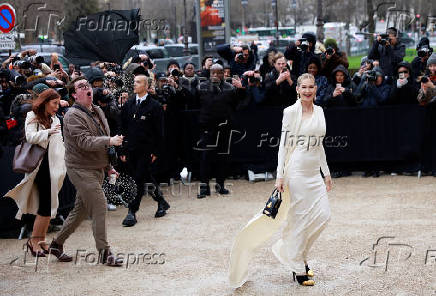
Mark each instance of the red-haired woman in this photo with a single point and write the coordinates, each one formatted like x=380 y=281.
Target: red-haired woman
x=38 y=192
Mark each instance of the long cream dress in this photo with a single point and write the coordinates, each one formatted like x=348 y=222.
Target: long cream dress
x=305 y=210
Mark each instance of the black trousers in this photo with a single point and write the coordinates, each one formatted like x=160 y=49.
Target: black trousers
x=139 y=164
x=215 y=153
x=42 y=181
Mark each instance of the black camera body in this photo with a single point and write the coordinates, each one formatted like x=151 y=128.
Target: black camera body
x=36 y=59
x=175 y=73
x=62 y=91
x=304 y=44
x=240 y=57
x=424 y=50
x=424 y=79
x=99 y=96
x=371 y=75
x=384 y=39
x=329 y=50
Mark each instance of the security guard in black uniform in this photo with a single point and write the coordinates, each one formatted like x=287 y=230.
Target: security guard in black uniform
x=142 y=125
x=218 y=100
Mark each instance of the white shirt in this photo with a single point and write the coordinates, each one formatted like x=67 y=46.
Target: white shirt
x=141 y=99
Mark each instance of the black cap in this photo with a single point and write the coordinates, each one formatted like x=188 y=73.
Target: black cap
x=160 y=75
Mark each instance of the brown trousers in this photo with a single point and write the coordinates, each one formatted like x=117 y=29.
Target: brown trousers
x=90 y=202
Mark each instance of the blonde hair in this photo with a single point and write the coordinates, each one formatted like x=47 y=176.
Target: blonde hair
x=277 y=56
x=304 y=77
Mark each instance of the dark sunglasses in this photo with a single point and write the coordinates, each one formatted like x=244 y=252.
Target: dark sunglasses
x=405 y=72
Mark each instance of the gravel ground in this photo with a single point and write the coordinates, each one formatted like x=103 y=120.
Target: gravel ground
x=195 y=238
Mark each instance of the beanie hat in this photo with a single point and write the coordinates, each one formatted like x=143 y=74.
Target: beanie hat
x=432 y=59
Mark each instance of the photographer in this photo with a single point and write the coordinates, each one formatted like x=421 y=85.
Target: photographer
x=267 y=62
x=427 y=93
x=404 y=90
x=365 y=65
x=188 y=88
x=419 y=63
x=164 y=91
x=218 y=102
x=205 y=66
x=240 y=58
x=104 y=99
x=301 y=52
x=280 y=84
x=332 y=58
x=340 y=91
x=373 y=90
x=388 y=50
x=254 y=92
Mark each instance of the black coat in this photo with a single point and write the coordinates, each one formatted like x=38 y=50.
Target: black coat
x=345 y=99
x=389 y=56
x=218 y=103
x=142 y=126
x=282 y=95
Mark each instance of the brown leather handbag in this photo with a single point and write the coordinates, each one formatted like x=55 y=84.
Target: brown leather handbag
x=27 y=157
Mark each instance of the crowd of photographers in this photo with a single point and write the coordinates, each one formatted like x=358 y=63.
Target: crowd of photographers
x=383 y=79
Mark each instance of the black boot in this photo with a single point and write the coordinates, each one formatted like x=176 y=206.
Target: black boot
x=162 y=208
x=221 y=190
x=130 y=219
x=204 y=191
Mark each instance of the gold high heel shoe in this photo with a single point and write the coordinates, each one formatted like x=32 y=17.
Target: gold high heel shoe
x=309 y=271
x=303 y=280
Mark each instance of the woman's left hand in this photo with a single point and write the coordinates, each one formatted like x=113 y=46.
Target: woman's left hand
x=328 y=183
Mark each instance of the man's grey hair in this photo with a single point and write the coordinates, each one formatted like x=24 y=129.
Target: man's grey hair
x=216 y=67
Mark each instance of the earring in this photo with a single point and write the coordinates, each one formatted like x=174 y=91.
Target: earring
x=298 y=95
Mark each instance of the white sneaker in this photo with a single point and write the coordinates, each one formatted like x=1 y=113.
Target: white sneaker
x=111 y=207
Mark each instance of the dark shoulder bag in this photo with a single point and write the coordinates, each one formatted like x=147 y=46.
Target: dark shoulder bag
x=27 y=156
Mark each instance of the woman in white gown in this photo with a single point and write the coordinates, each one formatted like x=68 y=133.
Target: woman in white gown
x=305 y=209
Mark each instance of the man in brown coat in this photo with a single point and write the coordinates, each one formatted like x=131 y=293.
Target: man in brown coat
x=86 y=136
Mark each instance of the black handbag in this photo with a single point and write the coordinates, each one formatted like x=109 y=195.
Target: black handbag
x=273 y=204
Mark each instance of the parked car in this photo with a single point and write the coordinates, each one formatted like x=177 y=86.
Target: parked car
x=158 y=54
x=60 y=49
x=176 y=51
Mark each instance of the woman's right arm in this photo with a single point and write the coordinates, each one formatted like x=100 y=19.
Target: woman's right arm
x=33 y=135
x=281 y=158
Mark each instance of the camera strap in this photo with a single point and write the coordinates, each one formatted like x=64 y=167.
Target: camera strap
x=77 y=106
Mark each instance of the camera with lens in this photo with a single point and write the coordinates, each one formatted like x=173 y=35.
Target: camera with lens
x=100 y=96
x=253 y=79
x=62 y=91
x=36 y=59
x=329 y=50
x=424 y=50
x=424 y=79
x=370 y=75
x=217 y=61
x=304 y=44
x=19 y=80
x=175 y=73
x=384 y=39
x=240 y=57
